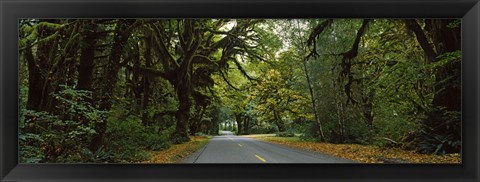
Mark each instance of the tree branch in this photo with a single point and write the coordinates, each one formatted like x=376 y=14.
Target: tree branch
x=226 y=80
x=312 y=40
x=347 y=58
x=240 y=68
x=162 y=49
x=413 y=26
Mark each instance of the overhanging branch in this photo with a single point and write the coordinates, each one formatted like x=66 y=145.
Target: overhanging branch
x=226 y=80
x=312 y=40
x=347 y=61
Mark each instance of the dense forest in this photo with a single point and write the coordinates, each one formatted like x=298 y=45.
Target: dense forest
x=109 y=90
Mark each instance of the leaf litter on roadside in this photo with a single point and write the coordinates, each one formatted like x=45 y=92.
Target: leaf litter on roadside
x=365 y=153
x=178 y=152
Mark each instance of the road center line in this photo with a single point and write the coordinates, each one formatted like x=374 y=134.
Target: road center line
x=262 y=159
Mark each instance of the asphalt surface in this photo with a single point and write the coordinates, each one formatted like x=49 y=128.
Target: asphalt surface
x=228 y=148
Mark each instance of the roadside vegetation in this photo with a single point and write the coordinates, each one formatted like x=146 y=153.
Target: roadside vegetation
x=177 y=153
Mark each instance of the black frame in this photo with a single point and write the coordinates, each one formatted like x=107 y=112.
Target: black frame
x=11 y=11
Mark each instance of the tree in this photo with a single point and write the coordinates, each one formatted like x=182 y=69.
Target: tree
x=110 y=74
x=276 y=99
x=196 y=52
x=443 y=120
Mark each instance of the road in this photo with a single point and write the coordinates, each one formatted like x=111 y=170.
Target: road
x=228 y=148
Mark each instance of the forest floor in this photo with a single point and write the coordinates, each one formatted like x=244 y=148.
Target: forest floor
x=178 y=152
x=362 y=153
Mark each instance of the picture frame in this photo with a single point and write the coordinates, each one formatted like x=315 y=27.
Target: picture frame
x=11 y=11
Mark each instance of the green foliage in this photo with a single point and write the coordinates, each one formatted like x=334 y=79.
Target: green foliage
x=310 y=132
x=277 y=102
x=30 y=147
x=285 y=134
x=431 y=143
x=62 y=137
x=201 y=134
x=455 y=24
x=129 y=139
x=178 y=139
x=265 y=128
x=392 y=77
x=439 y=137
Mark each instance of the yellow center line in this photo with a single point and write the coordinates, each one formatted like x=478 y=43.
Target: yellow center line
x=262 y=159
x=240 y=145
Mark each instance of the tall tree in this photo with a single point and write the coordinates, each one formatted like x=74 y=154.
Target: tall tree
x=123 y=31
x=196 y=48
x=444 y=118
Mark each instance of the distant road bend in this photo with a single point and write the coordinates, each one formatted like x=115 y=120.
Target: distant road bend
x=228 y=148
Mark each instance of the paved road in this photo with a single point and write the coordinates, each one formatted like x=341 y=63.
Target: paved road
x=228 y=148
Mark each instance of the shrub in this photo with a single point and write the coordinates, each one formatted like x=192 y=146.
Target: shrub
x=285 y=134
x=200 y=134
x=129 y=140
x=437 y=144
x=263 y=129
x=62 y=136
x=154 y=140
x=310 y=132
x=30 y=151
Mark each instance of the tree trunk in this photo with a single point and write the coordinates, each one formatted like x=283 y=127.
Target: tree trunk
x=447 y=92
x=146 y=82
x=87 y=57
x=182 y=80
x=312 y=98
x=448 y=84
x=368 y=108
x=183 y=112
x=238 y=118
x=110 y=78
x=279 y=122
x=246 y=123
x=196 y=121
x=422 y=39
x=339 y=112
x=339 y=121
x=35 y=81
